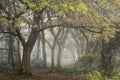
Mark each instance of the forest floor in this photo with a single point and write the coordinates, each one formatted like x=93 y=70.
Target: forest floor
x=41 y=74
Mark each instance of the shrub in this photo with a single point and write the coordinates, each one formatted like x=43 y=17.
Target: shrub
x=95 y=75
x=6 y=68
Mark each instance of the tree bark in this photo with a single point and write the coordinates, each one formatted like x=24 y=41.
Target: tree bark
x=18 y=55
x=10 y=55
x=26 y=60
x=59 y=57
x=38 y=48
x=106 y=59
x=44 y=50
x=27 y=49
x=52 y=60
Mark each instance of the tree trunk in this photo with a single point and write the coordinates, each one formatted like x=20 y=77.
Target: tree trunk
x=52 y=59
x=106 y=59
x=10 y=55
x=106 y=64
x=27 y=49
x=26 y=60
x=38 y=48
x=18 y=55
x=44 y=50
x=61 y=44
x=59 y=57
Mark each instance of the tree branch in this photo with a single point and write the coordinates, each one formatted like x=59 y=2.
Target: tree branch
x=69 y=26
x=20 y=36
x=7 y=32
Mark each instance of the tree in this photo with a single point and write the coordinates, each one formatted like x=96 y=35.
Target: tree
x=14 y=16
x=14 y=12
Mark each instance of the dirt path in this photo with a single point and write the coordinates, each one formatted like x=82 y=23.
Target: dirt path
x=39 y=74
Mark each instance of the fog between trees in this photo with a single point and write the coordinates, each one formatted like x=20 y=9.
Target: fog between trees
x=81 y=35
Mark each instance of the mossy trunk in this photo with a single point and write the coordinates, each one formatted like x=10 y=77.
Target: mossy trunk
x=106 y=60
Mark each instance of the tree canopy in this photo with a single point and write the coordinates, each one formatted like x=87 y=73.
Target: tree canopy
x=97 y=16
